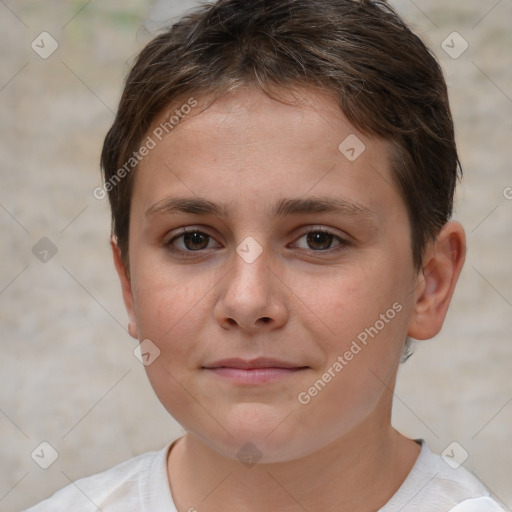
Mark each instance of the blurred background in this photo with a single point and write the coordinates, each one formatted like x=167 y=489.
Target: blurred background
x=68 y=373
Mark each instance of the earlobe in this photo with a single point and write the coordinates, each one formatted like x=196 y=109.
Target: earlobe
x=442 y=265
x=126 y=287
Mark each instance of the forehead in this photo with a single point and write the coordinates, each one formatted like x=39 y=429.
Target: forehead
x=246 y=142
x=249 y=116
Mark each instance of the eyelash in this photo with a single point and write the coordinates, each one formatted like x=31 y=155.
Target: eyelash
x=341 y=245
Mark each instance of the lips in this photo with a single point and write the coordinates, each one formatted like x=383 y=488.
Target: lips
x=261 y=362
x=254 y=372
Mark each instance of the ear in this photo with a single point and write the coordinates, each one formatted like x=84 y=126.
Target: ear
x=126 y=287
x=442 y=263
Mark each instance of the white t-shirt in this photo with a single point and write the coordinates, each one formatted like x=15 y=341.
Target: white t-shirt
x=141 y=485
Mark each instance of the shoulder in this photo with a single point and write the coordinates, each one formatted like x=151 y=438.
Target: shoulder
x=449 y=477
x=435 y=483
x=118 y=488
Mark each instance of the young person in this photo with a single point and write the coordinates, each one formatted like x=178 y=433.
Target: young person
x=281 y=177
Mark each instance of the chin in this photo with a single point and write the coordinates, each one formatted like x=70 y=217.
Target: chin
x=253 y=432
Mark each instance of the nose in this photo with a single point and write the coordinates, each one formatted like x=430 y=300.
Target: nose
x=252 y=297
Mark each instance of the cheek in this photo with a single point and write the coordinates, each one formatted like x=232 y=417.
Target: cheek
x=361 y=366
x=367 y=313
x=170 y=312
x=347 y=300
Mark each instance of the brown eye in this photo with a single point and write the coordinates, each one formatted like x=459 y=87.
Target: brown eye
x=195 y=241
x=320 y=241
x=190 y=241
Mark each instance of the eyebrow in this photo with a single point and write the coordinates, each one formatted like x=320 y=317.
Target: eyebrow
x=282 y=208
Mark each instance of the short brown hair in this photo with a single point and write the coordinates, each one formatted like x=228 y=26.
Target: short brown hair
x=387 y=82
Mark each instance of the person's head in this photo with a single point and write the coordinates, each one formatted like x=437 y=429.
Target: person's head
x=253 y=124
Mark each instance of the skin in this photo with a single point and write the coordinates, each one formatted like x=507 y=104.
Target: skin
x=302 y=300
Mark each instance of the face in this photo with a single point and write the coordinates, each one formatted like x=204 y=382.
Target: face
x=297 y=249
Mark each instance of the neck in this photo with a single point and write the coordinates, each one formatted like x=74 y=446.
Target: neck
x=359 y=472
